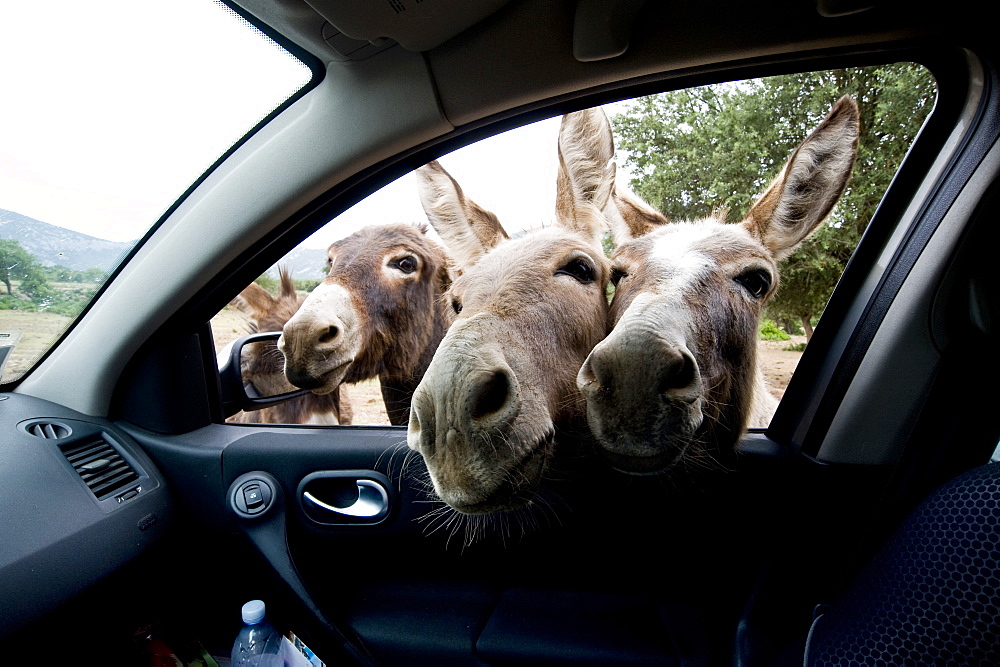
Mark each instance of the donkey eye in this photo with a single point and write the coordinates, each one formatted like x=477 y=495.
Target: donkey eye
x=617 y=275
x=755 y=281
x=456 y=305
x=406 y=264
x=580 y=269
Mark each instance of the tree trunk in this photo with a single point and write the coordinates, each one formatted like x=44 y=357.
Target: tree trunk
x=807 y=327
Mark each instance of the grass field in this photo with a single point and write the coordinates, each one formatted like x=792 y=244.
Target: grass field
x=39 y=331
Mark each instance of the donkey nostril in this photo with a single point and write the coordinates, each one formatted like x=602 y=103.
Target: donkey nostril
x=328 y=335
x=595 y=374
x=679 y=371
x=491 y=395
x=414 y=434
x=586 y=377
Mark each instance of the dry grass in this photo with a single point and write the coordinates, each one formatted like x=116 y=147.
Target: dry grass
x=39 y=332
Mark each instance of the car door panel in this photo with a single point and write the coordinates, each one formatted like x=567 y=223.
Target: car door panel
x=616 y=567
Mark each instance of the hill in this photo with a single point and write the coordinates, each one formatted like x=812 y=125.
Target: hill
x=57 y=246
x=53 y=245
x=303 y=263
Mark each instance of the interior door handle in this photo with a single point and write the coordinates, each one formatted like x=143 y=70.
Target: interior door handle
x=372 y=502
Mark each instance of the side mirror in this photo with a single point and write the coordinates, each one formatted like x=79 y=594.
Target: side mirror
x=238 y=392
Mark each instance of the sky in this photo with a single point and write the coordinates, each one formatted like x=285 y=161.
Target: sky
x=98 y=143
x=512 y=175
x=102 y=143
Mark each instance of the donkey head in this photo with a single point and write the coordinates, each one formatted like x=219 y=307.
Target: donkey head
x=528 y=311
x=377 y=313
x=677 y=378
x=263 y=365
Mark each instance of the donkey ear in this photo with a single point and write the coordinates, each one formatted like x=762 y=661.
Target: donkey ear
x=585 y=181
x=587 y=195
x=254 y=301
x=468 y=231
x=813 y=179
x=630 y=217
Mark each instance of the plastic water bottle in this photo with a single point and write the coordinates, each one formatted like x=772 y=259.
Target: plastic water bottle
x=258 y=644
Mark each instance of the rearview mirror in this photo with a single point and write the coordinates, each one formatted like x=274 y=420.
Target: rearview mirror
x=239 y=392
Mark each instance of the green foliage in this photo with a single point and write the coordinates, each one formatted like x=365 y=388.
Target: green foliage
x=769 y=330
x=306 y=284
x=268 y=283
x=715 y=148
x=18 y=264
x=608 y=244
x=61 y=274
x=35 y=291
x=16 y=303
x=67 y=302
x=795 y=347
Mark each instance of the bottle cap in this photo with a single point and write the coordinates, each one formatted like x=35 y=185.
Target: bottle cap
x=253 y=612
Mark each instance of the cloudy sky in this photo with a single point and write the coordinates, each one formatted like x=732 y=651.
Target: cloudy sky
x=101 y=143
x=512 y=174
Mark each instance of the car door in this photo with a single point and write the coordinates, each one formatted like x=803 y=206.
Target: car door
x=337 y=530
x=612 y=568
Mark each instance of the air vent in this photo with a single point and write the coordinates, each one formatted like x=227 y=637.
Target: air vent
x=49 y=430
x=101 y=466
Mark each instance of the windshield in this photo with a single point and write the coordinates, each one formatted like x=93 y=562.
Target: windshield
x=112 y=109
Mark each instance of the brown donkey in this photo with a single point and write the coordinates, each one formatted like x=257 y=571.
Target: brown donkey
x=263 y=366
x=677 y=379
x=501 y=388
x=379 y=312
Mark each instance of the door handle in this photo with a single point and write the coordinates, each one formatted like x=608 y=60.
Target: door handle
x=345 y=497
x=372 y=501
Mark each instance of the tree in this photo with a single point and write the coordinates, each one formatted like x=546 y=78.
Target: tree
x=16 y=263
x=267 y=282
x=713 y=149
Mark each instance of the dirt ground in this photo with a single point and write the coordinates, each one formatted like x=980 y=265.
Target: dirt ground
x=366 y=397
x=778 y=363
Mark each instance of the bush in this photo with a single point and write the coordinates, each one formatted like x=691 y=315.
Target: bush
x=770 y=331
x=16 y=302
x=69 y=303
x=795 y=347
x=306 y=284
x=268 y=283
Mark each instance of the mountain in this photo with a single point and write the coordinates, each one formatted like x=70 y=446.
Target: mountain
x=53 y=245
x=303 y=263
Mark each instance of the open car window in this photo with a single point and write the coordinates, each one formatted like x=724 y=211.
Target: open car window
x=96 y=145
x=688 y=154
